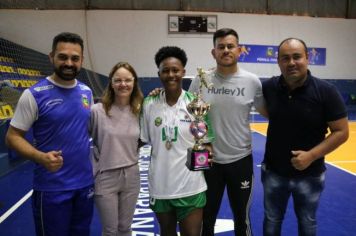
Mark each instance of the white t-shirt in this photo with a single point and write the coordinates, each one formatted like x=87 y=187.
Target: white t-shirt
x=231 y=99
x=169 y=178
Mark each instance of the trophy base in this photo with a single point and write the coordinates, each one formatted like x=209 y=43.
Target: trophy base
x=197 y=160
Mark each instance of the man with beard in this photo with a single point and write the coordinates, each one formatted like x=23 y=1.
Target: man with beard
x=232 y=96
x=233 y=93
x=57 y=109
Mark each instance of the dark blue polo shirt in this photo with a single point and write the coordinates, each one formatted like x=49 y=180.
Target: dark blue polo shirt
x=298 y=121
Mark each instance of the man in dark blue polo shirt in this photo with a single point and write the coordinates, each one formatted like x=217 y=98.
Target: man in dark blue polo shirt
x=301 y=108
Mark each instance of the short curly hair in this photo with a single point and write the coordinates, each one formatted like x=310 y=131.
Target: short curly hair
x=170 y=51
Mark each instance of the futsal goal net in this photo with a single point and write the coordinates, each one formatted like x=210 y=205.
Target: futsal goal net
x=21 y=67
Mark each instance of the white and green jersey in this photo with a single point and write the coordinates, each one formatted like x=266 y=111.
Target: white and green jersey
x=169 y=178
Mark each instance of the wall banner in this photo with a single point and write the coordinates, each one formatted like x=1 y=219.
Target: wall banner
x=268 y=54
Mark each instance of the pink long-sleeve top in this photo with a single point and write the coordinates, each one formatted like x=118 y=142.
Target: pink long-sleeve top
x=115 y=138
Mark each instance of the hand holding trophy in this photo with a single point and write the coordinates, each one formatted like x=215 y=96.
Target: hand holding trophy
x=198 y=156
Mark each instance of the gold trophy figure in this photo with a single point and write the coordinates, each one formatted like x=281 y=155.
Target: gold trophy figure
x=198 y=156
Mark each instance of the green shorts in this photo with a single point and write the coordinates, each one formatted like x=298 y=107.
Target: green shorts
x=182 y=206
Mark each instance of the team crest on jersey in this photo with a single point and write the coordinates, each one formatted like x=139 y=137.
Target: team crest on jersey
x=186 y=119
x=158 y=121
x=85 y=101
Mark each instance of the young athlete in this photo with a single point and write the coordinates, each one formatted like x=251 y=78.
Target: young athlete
x=176 y=193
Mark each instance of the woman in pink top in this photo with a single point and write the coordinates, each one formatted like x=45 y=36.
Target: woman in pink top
x=115 y=131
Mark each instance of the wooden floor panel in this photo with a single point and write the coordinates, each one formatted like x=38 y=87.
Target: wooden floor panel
x=343 y=157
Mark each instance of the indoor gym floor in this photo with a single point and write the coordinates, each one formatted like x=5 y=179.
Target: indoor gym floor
x=336 y=214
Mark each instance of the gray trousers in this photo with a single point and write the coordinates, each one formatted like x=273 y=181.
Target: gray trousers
x=116 y=193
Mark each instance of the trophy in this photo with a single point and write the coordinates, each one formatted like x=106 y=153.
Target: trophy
x=197 y=157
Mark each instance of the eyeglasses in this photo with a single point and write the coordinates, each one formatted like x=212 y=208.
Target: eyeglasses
x=126 y=81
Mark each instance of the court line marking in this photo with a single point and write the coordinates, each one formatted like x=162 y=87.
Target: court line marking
x=14 y=207
x=328 y=162
x=258 y=132
x=28 y=195
x=336 y=166
x=342 y=161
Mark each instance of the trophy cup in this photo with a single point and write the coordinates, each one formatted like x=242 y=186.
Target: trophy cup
x=197 y=157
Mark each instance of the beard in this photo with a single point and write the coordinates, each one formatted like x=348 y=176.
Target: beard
x=66 y=73
x=226 y=63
